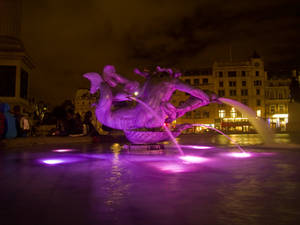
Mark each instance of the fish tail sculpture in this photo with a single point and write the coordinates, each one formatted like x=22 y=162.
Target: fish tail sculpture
x=139 y=124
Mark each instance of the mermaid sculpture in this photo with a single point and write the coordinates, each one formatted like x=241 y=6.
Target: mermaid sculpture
x=140 y=125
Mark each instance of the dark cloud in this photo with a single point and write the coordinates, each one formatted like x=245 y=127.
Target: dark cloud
x=68 y=38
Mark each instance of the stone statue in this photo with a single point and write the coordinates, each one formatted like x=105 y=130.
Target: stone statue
x=140 y=125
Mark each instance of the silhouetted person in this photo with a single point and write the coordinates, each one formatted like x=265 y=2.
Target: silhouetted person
x=17 y=115
x=77 y=126
x=88 y=127
x=10 y=123
x=2 y=121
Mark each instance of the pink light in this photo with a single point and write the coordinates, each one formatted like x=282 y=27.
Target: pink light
x=63 y=150
x=240 y=154
x=55 y=161
x=196 y=146
x=52 y=161
x=192 y=159
x=173 y=168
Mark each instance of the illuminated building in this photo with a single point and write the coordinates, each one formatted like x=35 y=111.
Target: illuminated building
x=83 y=103
x=203 y=79
x=245 y=81
x=277 y=101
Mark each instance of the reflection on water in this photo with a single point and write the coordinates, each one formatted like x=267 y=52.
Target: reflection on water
x=114 y=187
x=259 y=194
x=116 y=190
x=241 y=139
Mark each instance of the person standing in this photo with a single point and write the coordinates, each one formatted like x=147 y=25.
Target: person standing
x=10 y=123
x=17 y=115
x=24 y=126
x=2 y=122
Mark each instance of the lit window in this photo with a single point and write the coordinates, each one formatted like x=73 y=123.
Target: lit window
x=258 y=113
x=281 y=108
x=221 y=113
x=233 y=113
x=272 y=109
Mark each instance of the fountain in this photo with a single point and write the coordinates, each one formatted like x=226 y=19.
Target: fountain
x=144 y=122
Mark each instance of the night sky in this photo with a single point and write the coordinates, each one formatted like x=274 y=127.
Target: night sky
x=68 y=38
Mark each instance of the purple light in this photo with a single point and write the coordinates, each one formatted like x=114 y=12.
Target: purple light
x=59 y=160
x=240 y=154
x=193 y=159
x=53 y=161
x=173 y=168
x=196 y=146
x=63 y=150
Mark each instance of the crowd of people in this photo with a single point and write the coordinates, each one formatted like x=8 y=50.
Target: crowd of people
x=73 y=125
x=13 y=123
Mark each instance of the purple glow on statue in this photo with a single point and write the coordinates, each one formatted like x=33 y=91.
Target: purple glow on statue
x=154 y=106
x=63 y=150
x=52 y=161
x=193 y=159
x=239 y=154
x=196 y=146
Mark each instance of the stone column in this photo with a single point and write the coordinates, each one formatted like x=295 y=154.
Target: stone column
x=10 y=18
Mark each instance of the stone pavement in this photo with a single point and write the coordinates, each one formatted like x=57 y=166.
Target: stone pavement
x=46 y=140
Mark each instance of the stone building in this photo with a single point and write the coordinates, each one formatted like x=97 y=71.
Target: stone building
x=245 y=81
x=83 y=103
x=203 y=79
x=15 y=63
x=277 y=101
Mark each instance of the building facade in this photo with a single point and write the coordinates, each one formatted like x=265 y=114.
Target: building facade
x=277 y=102
x=244 y=81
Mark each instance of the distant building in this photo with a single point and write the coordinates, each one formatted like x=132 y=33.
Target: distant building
x=203 y=79
x=15 y=63
x=83 y=103
x=277 y=101
x=244 y=81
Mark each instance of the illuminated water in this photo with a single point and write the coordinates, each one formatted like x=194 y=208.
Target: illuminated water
x=220 y=132
x=165 y=127
x=259 y=124
x=101 y=184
